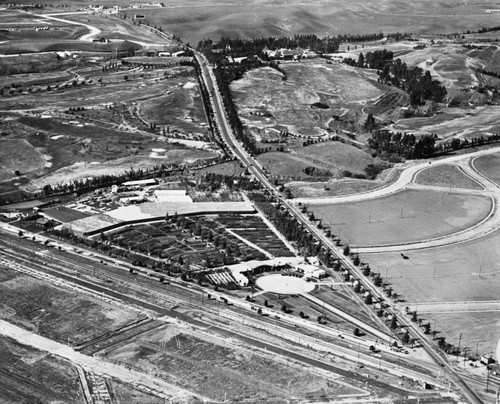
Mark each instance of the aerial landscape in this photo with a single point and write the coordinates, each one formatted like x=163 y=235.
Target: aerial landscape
x=266 y=201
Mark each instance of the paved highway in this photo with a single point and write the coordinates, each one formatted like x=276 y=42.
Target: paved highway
x=252 y=165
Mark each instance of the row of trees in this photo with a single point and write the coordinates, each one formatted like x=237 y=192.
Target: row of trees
x=224 y=76
x=238 y=47
x=406 y=145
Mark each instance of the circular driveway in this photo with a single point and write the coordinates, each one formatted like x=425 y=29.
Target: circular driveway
x=286 y=285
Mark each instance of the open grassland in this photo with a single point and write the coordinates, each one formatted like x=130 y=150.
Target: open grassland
x=290 y=101
x=489 y=166
x=57 y=313
x=331 y=188
x=206 y=365
x=446 y=176
x=196 y=20
x=113 y=27
x=31 y=376
x=107 y=129
x=466 y=124
x=403 y=217
x=286 y=165
x=337 y=156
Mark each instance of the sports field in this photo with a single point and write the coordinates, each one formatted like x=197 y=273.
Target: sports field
x=403 y=217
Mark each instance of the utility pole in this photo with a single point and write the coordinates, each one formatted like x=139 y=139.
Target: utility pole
x=458 y=351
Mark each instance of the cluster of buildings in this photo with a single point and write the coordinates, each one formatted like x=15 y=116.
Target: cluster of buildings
x=289 y=54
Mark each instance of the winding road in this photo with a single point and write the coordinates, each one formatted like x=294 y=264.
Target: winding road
x=406 y=180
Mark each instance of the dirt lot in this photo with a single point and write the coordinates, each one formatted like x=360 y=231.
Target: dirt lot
x=54 y=312
x=446 y=176
x=403 y=217
x=219 y=368
x=28 y=375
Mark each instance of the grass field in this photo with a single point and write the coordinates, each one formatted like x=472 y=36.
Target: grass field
x=403 y=217
x=449 y=274
x=31 y=376
x=331 y=188
x=489 y=166
x=338 y=156
x=286 y=165
x=54 y=312
x=446 y=176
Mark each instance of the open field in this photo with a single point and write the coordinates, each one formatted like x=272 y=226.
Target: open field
x=197 y=20
x=31 y=376
x=288 y=166
x=338 y=157
x=403 y=217
x=463 y=273
x=446 y=176
x=206 y=364
x=479 y=330
x=290 y=101
x=95 y=129
x=54 y=312
x=489 y=166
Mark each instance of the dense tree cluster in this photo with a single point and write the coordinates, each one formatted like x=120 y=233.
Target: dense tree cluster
x=405 y=145
x=417 y=83
x=213 y=182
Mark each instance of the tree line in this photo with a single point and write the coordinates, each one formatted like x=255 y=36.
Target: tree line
x=407 y=145
x=215 y=51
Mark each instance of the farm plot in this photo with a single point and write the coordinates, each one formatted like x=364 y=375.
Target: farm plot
x=194 y=241
x=489 y=166
x=403 y=217
x=54 y=312
x=207 y=365
x=29 y=375
x=446 y=176
x=253 y=229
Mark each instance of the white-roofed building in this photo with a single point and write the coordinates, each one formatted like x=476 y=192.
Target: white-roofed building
x=172 y=195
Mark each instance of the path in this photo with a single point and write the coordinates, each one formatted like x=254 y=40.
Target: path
x=455 y=307
x=95 y=365
x=488 y=225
